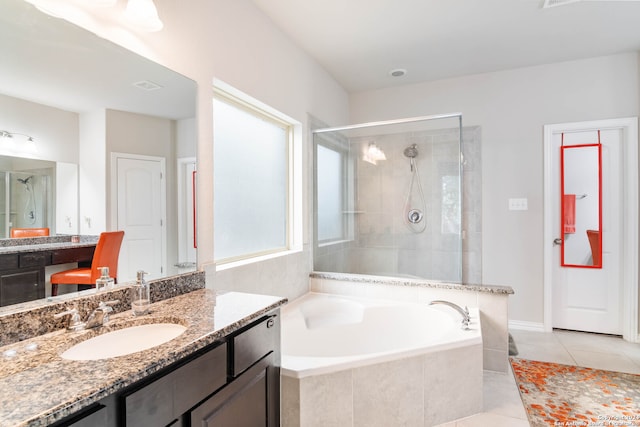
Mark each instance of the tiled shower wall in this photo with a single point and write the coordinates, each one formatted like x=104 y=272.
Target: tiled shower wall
x=383 y=244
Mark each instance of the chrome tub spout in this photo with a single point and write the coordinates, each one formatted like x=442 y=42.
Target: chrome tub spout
x=463 y=311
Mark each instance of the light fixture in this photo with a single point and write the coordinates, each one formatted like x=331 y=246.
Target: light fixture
x=143 y=14
x=398 y=72
x=8 y=136
x=372 y=154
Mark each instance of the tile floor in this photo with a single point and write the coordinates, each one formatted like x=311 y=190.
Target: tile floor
x=502 y=404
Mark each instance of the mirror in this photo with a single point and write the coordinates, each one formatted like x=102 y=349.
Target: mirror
x=82 y=98
x=581 y=205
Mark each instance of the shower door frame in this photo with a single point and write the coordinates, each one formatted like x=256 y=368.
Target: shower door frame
x=457 y=115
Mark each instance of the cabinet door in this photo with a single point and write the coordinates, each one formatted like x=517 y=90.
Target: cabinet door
x=99 y=414
x=242 y=403
x=21 y=285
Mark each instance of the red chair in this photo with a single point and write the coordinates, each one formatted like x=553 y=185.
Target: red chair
x=29 y=232
x=594 y=242
x=106 y=255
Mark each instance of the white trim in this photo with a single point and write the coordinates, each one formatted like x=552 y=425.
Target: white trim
x=524 y=325
x=629 y=262
x=183 y=209
x=255 y=259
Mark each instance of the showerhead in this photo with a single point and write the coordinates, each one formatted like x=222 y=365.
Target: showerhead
x=411 y=151
x=24 y=181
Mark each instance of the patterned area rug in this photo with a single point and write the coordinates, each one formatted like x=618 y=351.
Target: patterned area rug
x=563 y=395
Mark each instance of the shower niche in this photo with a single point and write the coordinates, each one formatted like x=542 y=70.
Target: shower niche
x=25 y=194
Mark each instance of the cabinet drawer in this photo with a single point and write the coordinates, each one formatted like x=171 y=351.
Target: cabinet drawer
x=254 y=343
x=8 y=262
x=199 y=378
x=164 y=400
x=35 y=259
x=64 y=256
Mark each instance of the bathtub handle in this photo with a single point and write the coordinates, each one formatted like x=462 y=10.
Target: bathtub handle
x=271 y=322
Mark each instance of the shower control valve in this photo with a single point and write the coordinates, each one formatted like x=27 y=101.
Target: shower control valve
x=414 y=216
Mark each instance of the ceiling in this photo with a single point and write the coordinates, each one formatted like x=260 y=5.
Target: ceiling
x=360 y=41
x=53 y=62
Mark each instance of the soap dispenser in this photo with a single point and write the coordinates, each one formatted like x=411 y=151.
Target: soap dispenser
x=140 y=295
x=104 y=282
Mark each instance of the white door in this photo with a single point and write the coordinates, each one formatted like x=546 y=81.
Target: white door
x=141 y=214
x=590 y=299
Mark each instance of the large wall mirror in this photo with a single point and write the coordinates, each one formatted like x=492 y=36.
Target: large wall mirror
x=581 y=205
x=73 y=102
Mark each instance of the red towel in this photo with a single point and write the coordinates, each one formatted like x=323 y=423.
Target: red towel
x=569 y=209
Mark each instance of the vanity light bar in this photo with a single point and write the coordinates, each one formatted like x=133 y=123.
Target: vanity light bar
x=8 y=134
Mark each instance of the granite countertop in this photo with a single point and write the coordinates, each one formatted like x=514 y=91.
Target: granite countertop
x=412 y=281
x=40 y=244
x=38 y=387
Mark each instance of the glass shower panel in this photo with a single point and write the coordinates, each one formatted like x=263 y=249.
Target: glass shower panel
x=25 y=199
x=405 y=204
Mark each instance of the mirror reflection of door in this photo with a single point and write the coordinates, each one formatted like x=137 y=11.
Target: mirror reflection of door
x=581 y=205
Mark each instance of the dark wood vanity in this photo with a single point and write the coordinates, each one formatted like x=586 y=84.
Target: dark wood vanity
x=22 y=268
x=234 y=382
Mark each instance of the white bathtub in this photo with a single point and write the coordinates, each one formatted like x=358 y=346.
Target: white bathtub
x=371 y=353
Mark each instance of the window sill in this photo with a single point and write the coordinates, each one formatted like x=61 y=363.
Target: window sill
x=252 y=260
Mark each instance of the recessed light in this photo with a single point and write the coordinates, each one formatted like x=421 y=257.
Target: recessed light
x=398 y=72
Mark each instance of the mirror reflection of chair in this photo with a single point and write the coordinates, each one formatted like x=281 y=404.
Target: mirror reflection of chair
x=594 y=242
x=29 y=232
x=105 y=255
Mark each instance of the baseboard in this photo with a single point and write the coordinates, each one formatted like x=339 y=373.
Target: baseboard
x=523 y=325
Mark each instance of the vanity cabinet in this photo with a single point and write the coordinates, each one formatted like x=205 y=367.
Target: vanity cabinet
x=233 y=382
x=22 y=285
x=22 y=274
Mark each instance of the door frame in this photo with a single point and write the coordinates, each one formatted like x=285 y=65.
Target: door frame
x=629 y=236
x=163 y=197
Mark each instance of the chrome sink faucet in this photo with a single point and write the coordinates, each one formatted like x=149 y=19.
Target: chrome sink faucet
x=100 y=315
x=74 y=323
x=463 y=311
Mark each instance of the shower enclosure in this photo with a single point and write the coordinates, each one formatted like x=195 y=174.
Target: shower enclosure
x=24 y=200
x=389 y=199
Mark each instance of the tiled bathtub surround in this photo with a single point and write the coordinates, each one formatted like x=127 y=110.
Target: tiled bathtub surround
x=417 y=391
x=352 y=361
x=24 y=321
x=491 y=300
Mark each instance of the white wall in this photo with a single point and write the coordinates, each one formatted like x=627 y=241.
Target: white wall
x=92 y=172
x=511 y=107
x=55 y=131
x=235 y=42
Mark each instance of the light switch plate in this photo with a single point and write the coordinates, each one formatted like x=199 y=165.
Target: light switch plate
x=518 y=204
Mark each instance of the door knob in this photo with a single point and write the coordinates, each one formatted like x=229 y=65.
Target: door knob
x=557 y=241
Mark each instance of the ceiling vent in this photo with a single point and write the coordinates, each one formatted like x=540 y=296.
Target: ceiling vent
x=147 y=85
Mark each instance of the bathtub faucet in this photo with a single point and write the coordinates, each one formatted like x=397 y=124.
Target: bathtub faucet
x=463 y=311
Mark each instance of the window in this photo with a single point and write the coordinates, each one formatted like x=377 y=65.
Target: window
x=253 y=162
x=334 y=189
x=330 y=182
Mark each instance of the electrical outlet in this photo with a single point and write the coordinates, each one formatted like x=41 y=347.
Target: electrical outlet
x=518 y=204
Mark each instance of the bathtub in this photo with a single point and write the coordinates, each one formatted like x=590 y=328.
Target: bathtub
x=350 y=361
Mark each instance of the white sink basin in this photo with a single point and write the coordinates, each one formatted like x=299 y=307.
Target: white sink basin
x=124 y=341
